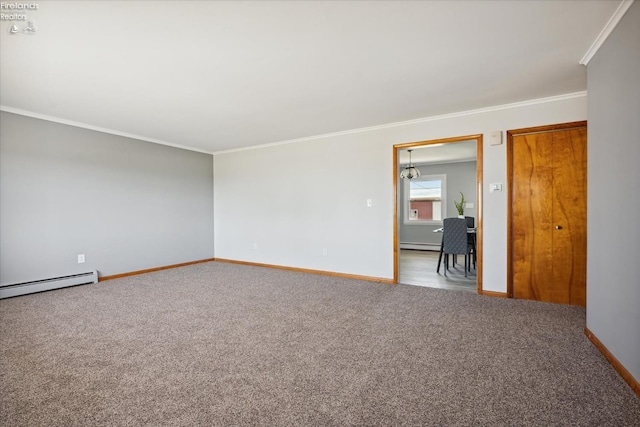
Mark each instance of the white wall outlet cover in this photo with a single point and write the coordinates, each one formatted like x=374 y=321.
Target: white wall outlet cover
x=81 y=258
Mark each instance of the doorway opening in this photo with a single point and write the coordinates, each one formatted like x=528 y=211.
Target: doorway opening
x=417 y=256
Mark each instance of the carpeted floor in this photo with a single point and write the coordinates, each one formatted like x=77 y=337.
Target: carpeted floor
x=224 y=344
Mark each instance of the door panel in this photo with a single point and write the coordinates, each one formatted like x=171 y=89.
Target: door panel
x=548 y=215
x=532 y=188
x=570 y=213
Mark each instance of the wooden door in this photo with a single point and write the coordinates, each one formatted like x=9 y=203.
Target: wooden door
x=548 y=213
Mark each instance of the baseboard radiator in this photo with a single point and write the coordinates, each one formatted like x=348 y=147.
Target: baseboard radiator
x=13 y=290
x=420 y=246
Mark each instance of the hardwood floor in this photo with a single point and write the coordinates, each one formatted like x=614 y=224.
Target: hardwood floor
x=419 y=268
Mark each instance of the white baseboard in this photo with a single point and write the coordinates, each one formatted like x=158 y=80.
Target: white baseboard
x=420 y=246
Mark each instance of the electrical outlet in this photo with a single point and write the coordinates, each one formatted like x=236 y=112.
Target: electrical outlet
x=255 y=245
x=324 y=251
x=81 y=258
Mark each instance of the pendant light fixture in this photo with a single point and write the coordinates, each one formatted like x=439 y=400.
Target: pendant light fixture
x=410 y=171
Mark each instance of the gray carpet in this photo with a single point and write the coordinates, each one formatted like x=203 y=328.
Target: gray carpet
x=224 y=344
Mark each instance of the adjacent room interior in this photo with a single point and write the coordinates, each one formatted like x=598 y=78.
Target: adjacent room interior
x=448 y=173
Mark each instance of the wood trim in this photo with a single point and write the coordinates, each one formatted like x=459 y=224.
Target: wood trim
x=548 y=128
x=510 y=135
x=307 y=270
x=509 y=148
x=398 y=147
x=436 y=141
x=396 y=252
x=626 y=375
x=151 y=270
x=493 y=294
x=479 y=197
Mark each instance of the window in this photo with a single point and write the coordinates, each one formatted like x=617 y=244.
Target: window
x=424 y=199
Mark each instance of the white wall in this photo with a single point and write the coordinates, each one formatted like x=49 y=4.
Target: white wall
x=126 y=204
x=295 y=199
x=613 y=270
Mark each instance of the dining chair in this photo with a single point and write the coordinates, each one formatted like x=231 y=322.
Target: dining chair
x=471 y=221
x=471 y=237
x=455 y=242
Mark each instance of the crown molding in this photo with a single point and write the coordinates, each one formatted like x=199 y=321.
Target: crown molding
x=606 y=31
x=414 y=121
x=96 y=128
x=305 y=139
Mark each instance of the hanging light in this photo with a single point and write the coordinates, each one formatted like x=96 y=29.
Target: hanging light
x=410 y=172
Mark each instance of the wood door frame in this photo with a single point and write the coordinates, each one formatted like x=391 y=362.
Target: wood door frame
x=510 y=136
x=396 y=149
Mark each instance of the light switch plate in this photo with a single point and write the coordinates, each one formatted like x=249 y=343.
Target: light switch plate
x=495 y=138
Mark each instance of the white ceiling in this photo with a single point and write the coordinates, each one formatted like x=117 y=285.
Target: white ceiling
x=216 y=76
x=440 y=153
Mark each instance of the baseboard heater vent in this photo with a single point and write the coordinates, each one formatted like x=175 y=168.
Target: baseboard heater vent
x=24 y=288
x=420 y=246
